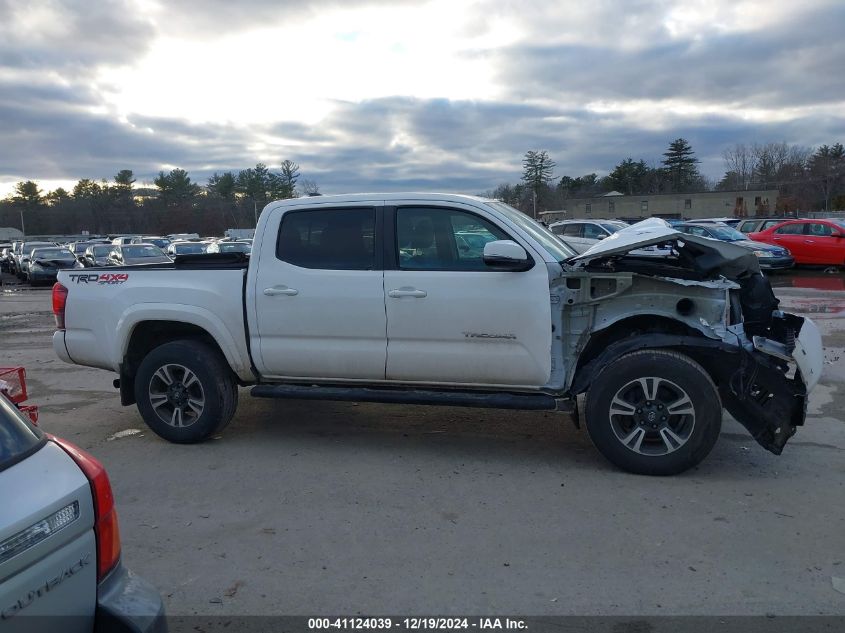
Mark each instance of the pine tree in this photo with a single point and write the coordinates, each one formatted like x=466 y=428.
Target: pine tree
x=680 y=165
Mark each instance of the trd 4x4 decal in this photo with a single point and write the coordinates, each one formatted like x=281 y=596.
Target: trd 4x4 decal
x=99 y=278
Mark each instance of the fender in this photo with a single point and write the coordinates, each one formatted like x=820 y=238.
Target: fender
x=233 y=348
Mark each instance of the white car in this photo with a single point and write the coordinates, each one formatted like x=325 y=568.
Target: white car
x=370 y=298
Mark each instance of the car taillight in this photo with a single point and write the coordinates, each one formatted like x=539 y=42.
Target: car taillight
x=59 y=301
x=106 y=527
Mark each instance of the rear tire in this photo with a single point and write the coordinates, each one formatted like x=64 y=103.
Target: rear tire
x=654 y=412
x=185 y=391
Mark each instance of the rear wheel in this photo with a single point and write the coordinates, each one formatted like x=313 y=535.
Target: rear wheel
x=185 y=391
x=654 y=412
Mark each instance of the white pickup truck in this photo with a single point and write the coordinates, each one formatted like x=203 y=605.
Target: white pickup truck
x=458 y=301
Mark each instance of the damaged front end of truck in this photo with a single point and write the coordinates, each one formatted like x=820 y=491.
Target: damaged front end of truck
x=650 y=287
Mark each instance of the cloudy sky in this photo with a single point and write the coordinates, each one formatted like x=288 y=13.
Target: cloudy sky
x=394 y=95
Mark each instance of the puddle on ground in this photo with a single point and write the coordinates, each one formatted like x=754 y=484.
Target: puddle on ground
x=810 y=279
x=814 y=308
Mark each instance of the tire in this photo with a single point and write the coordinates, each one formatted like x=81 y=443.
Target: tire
x=654 y=412
x=202 y=389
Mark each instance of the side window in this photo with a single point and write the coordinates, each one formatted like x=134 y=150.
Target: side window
x=572 y=230
x=593 y=232
x=747 y=227
x=697 y=230
x=790 y=229
x=443 y=239
x=819 y=230
x=331 y=239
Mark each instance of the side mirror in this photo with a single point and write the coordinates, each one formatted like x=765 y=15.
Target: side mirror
x=601 y=237
x=506 y=255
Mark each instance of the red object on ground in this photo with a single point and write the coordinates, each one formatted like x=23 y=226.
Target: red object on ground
x=13 y=383
x=13 y=386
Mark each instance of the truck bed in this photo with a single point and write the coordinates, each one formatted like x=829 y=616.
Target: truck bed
x=105 y=304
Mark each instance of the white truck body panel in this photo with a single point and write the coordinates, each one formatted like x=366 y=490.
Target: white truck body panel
x=469 y=327
x=100 y=320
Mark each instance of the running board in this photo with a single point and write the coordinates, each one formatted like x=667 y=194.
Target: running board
x=529 y=402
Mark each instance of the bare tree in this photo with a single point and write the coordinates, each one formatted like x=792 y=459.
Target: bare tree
x=739 y=166
x=308 y=187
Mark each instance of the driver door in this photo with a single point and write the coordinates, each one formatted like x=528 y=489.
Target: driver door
x=450 y=318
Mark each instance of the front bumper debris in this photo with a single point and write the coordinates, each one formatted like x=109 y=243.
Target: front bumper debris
x=762 y=395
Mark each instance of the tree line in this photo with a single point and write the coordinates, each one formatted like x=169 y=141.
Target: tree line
x=174 y=204
x=806 y=179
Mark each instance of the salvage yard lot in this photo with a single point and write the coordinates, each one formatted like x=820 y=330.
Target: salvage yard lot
x=320 y=507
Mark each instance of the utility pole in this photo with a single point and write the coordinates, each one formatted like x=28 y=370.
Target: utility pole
x=255 y=211
x=23 y=229
x=534 y=192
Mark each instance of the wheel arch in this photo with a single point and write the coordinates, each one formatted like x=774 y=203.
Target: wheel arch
x=149 y=334
x=639 y=332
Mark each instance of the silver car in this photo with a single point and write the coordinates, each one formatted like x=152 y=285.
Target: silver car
x=583 y=234
x=60 y=564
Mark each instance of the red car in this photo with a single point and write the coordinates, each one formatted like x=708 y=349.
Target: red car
x=809 y=241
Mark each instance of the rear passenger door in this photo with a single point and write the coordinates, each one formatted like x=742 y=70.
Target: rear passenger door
x=319 y=294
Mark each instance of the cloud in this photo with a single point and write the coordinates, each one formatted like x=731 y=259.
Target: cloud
x=791 y=64
x=70 y=36
x=436 y=95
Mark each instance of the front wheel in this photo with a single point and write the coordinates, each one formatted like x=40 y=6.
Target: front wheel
x=185 y=391
x=654 y=412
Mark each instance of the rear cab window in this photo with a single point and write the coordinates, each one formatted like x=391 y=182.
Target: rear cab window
x=18 y=437
x=328 y=239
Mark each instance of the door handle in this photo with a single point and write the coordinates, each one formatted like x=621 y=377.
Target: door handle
x=809 y=241
x=280 y=290
x=405 y=291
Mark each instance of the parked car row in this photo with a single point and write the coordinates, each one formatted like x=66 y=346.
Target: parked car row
x=37 y=262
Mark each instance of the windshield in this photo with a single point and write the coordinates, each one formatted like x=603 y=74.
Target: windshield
x=142 y=251
x=80 y=247
x=235 y=247
x=546 y=238
x=101 y=251
x=28 y=247
x=726 y=233
x=612 y=227
x=189 y=249
x=52 y=253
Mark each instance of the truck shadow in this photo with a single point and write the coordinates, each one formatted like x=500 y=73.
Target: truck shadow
x=522 y=437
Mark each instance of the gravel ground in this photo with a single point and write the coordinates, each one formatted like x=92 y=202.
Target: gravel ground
x=341 y=508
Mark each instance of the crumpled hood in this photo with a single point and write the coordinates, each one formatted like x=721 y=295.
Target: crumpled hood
x=705 y=257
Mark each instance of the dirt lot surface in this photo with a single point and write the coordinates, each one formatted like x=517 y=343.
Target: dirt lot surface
x=319 y=508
